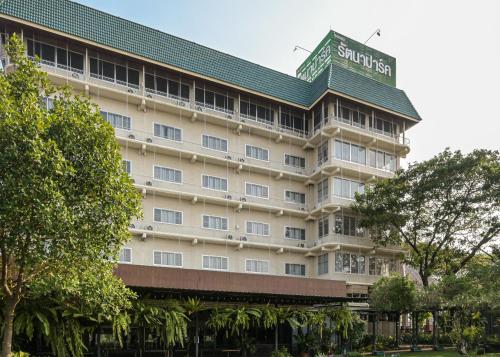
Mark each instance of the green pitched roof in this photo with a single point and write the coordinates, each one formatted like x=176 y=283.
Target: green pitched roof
x=88 y=24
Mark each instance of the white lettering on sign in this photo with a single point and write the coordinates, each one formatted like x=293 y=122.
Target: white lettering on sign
x=364 y=59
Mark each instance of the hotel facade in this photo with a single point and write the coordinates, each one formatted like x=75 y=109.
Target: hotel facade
x=247 y=174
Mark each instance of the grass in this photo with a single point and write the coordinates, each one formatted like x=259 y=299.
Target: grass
x=440 y=354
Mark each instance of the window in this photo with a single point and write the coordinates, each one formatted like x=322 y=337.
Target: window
x=257 y=266
x=167 y=132
x=214 y=262
x=295 y=197
x=349 y=263
x=117 y=121
x=347 y=188
x=255 y=190
x=213 y=100
x=127 y=166
x=214 y=143
x=213 y=222
x=295 y=161
x=257 y=153
x=348 y=226
x=384 y=127
x=323 y=226
x=167 y=216
x=112 y=72
x=125 y=255
x=295 y=233
x=167 y=174
x=323 y=264
x=295 y=269
x=292 y=120
x=322 y=153
x=350 y=152
x=56 y=56
x=48 y=103
x=256 y=112
x=214 y=183
x=258 y=228
x=167 y=259
x=382 y=160
x=351 y=116
x=166 y=87
x=381 y=266
x=322 y=190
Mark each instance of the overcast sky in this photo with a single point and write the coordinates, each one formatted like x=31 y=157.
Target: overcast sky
x=448 y=52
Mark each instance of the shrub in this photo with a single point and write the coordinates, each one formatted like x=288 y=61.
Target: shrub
x=282 y=352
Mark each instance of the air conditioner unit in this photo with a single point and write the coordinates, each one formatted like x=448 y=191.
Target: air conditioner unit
x=302 y=209
x=75 y=75
x=301 y=245
x=130 y=90
x=228 y=197
x=229 y=116
x=241 y=159
x=181 y=103
x=199 y=108
x=149 y=183
x=269 y=127
x=243 y=238
x=243 y=199
x=229 y=236
x=131 y=136
x=149 y=96
x=149 y=140
x=242 y=120
x=228 y=157
x=132 y=226
x=149 y=228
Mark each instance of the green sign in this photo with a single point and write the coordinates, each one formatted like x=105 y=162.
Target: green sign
x=350 y=54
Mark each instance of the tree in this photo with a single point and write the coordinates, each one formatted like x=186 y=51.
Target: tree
x=445 y=210
x=65 y=201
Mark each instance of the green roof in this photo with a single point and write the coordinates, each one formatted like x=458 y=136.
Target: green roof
x=124 y=35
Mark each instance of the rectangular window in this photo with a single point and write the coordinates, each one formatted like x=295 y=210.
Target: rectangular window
x=127 y=166
x=214 y=222
x=348 y=226
x=347 y=188
x=214 y=143
x=322 y=190
x=215 y=101
x=167 y=132
x=255 y=190
x=295 y=233
x=257 y=266
x=117 y=121
x=323 y=153
x=214 y=183
x=167 y=174
x=323 y=226
x=167 y=216
x=349 y=152
x=214 y=263
x=257 y=153
x=382 y=160
x=167 y=259
x=257 y=228
x=125 y=255
x=256 y=112
x=349 y=263
x=323 y=264
x=295 y=197
x=295 y=161
x=295 y=269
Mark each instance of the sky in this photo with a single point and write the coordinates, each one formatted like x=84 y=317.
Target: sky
x=447 y=51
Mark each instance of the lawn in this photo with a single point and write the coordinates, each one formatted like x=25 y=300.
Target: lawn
x=440 y=354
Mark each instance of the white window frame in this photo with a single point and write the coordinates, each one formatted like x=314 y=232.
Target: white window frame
x=215 y=256
x=258 y=147
x=170 y=126
x=130 y=164
x=172 y=210
x=218 y=177
x=258 y=272
x=255 y=234
x=131 y=256
x=216 y=137
x=258 y=184
x=125 y=116
x=215 y=229
x=293 y=239
x=295 y=167
x=165 y=265
x=305 y=269
x=293 y=202
x=168 y=168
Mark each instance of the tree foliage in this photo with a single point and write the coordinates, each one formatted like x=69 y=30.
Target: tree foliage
x=444 y=210
x=394 y=293
x=65 y=201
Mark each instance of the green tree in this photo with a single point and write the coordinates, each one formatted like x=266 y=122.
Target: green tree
x=444 y=210
x=65 y=201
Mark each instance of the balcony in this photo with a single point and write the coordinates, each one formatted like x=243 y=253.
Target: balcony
x=334 y=166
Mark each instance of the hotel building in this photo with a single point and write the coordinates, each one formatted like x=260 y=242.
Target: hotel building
x=247 y=174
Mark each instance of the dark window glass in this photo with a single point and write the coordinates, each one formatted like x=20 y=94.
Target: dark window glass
x=48 y=53
x=108 y=69
x=209 y=98
x=161 y=85
x=133 y=76
x=121 y=73
x=76 y=60
x=344 y=113
x=252 y=110
x=150 y=81
x=185 y=91
x=220 y=101
x=261 y=112
x=298 y=123
x=173 y=88
x=93 y=66
x=62 y=57
x=199 y=95
x=31 y=48
x=38 y=49
x=244 y=108
x=230 y=104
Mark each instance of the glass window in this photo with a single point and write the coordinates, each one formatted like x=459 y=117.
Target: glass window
x=127 y=166
x=167 y=216
x=295 y=161
x=167 y=132
x=125 y=255
x=133 y=76
x=214 y=143
x=347 y=188
x=121 y=73
x=257 y=266
x=167 y=174
x=214 y=262
x=338 y=262
x=167 y=259
x=323 y=228
x=322 y=188
x=295 y=233
x=117 y=121
x=214 y=222
x=257 y=152
x=214 y=183
x=173 y=88
x=257 y=228
x=323 y=264
x=295 y=269
x=255 y=190
x=323 y=153
x=295 y=197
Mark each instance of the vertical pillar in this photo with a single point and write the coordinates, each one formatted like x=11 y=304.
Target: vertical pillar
x=398 y=328
x=434 y=329
x=374 y=335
